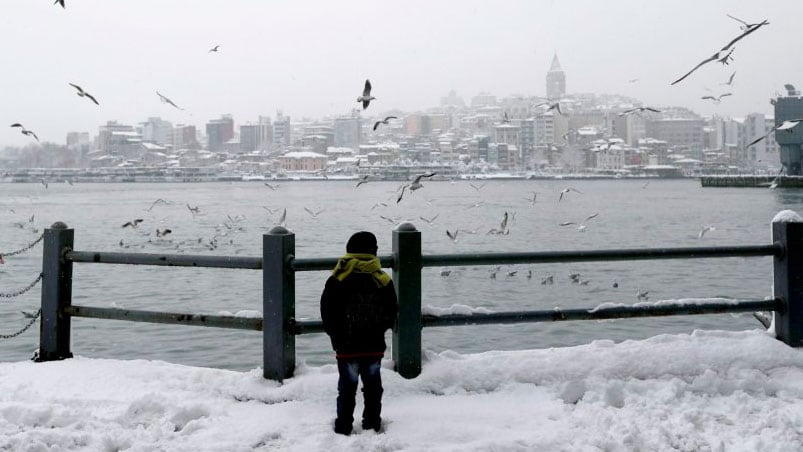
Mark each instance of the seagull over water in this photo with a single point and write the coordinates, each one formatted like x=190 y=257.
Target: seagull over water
x=366 y=97
x=133 y=223
x=430 y=221
x=580 y=226
x=313 y=213
x=566 y=191
x=416 y=184
x=214 y=49
x=452 y=235
x=730 y=80
x=787 y=125
x=25 y=131
x=165 y=100
x=363 y=180
x=82 y=93
x=704 y=230
x=385 y=121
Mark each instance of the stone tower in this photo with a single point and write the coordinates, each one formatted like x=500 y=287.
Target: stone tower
x=555 y=80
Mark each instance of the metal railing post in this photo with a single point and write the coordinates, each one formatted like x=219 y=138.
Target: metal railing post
x=788 y=281
x=407 y=280
x=54 y=332
x=278 y=304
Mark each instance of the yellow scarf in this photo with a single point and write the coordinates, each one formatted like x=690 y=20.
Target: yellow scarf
x=361 y=263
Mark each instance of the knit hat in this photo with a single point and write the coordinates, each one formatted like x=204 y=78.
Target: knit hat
x=362 y=242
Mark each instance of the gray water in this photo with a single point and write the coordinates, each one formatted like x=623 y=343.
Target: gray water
x=632 y=214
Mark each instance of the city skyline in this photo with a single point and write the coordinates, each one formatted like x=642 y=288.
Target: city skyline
x=310 y=60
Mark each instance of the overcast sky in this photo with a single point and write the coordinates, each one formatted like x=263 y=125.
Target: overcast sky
x=310 y=58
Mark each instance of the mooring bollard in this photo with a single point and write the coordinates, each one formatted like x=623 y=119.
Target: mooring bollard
x=407 y=280
x=787 y=229
x=278 y=304
x=54 y=332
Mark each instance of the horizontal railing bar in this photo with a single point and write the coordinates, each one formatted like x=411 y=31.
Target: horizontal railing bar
x=172 y=260
x=306 y=326
x=441 y=260
x=217 y=321
x=328 y=263
x=316 y=326
x=431 y=260
x=617 y=312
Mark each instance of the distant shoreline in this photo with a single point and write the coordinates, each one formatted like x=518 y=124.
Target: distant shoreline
x=187 y=175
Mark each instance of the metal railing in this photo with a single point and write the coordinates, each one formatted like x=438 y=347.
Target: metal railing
x=278 y=265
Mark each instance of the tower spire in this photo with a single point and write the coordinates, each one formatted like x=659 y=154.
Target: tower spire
x=555 y=67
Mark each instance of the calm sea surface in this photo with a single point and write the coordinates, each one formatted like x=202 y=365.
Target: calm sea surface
x=632 y=214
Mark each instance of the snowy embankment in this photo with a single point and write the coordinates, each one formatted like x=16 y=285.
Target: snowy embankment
x=710 y=390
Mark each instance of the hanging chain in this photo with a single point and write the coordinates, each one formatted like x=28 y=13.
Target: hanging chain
x=22 y=250
x=25 y=328
x=23 y=290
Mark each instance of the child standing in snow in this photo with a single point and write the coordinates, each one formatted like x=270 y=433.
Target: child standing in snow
x=358 y=305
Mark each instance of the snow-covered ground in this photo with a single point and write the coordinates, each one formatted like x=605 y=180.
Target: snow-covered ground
x=705 y=391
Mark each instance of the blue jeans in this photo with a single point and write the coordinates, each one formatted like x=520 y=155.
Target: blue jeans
x=367 y=369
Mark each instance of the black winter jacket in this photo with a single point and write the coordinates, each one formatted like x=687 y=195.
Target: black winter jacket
x=356 y=313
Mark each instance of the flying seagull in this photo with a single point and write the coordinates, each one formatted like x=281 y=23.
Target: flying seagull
x=162 y=233
x=724 y=54
x=366 y=97
x=787 y=125
x=580 y=226
x=567 y=190
x=744 y=25
x=750 y=28
x=730 y=80
x=133 y=223
x=214 y=49
x=642 y=294
x=638 y=109
x=476 y=187
x=417 y=181
x=430 y=221
x=167 y=101
x=401 y=194
x=82 y=93
x=193 y=210
x=532 y=200
x=363 y=180
x=452 y=235
x=384 y=121
x=25 y=131
x=59 y=2
x=704 y=230
x=717 y=98
x=552 y=106
x=158 y=201
x=314 y=213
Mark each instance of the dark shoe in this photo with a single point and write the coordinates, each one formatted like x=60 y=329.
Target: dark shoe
x=343 y=428
x=375 y=425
